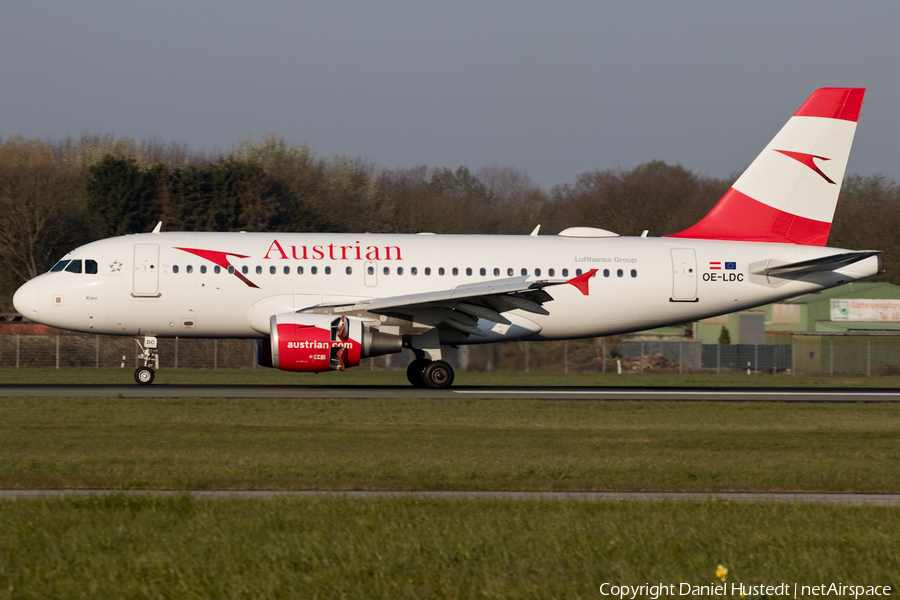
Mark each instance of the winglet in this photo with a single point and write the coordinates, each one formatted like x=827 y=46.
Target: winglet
x=158 y=227
x=581 y=281
x=536 y=229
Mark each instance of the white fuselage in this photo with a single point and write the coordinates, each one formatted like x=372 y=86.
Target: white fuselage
x=153 y=285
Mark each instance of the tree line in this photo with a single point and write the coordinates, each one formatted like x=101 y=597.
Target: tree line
x=57 y=195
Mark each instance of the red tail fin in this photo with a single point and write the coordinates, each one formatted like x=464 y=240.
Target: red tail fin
x=789 y=193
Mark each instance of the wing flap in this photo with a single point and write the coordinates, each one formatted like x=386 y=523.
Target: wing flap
x=514 y=292
x=462 y=306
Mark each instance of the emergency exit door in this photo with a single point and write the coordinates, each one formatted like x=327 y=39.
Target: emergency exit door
x=371 y=273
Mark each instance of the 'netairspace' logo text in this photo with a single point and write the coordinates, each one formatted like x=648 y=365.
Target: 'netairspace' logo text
x=739 y=589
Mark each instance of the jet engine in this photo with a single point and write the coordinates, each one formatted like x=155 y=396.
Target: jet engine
x=313 y=343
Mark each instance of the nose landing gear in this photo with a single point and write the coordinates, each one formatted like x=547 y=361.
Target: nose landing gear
x=149 y=354
x=144 y=375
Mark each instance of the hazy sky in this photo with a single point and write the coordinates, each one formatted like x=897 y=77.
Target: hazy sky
x=551 y=88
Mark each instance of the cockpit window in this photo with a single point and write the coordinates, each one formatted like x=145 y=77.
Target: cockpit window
x=59 y=266
x=90 y=266
x=74 y=266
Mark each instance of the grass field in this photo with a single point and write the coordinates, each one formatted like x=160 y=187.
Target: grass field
x=466 y=444
x=261 y=376
x=332 y=547
x=120 y=547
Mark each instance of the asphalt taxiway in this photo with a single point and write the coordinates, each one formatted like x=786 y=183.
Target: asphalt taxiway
x=745 y=497
x=515 y=392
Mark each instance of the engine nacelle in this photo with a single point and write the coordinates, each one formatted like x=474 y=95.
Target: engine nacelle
x=313 y=343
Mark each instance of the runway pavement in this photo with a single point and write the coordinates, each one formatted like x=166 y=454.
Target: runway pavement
x=538 y=393
x=755 y=497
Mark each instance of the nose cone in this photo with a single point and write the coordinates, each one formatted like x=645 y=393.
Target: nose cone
x=26 y=300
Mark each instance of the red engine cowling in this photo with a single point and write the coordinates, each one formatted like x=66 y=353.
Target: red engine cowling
x=313 y=343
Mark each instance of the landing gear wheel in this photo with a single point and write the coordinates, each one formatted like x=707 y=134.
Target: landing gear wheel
x=438 y=375
x=144 y=375
x=416 y=370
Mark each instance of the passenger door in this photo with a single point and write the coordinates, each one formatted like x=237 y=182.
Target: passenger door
x=684 y=275
x=146 y=269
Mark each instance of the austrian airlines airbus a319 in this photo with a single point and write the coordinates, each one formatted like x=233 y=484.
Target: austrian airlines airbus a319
x=321 y=302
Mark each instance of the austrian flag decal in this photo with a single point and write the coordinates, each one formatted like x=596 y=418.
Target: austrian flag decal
x=717 y=266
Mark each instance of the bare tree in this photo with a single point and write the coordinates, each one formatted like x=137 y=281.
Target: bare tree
x=40 y=206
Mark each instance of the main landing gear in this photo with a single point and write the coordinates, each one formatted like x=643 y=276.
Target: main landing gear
x=429 y=373
x=149 y=354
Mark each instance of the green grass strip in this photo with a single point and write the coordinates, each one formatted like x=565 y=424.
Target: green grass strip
x=465 y=444
x=127 y=547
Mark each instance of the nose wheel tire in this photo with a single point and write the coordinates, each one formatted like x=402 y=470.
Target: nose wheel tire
x=438 y=375
x=144 y=375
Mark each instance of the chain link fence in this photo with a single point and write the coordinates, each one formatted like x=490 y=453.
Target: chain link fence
x=805 y=354
x=846 y=355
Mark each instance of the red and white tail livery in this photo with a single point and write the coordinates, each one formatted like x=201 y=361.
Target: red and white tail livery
x=323 y=302
x=789 y=193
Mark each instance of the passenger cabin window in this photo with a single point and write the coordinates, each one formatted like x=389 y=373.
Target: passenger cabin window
x=413 y=270
x=577 y=271
x=510 y=272
x=287 y=270
x=59 y=266
x=299 y=270
x=634 y=272
x=174 y=268
x=524 y=272
x=349 y=270
x=551 y=272
x=565 y=272
x=189 y=269
x=387 y=270
x=230 y=270
x=74 y=266
x=217 y=269
x=537 y=272
x=482 y=271
x=244 y=269
x=328 y=270
x=314 y=270
x=271 y=270
x=455 y=271
x=399 y=270
x=606 y=272
x=258 y=270
x=496 y=272
x=428 y=270
x=203 y=268
x=469 y=271
x=441 y=271
x=620 y=273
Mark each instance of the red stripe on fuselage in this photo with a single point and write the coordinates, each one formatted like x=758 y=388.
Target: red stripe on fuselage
x=739 y=217
x=221 y=259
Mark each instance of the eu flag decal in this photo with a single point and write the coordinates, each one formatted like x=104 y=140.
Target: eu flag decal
x=730 y=266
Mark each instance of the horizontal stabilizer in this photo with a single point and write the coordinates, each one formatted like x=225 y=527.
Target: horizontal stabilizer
x=817 y=265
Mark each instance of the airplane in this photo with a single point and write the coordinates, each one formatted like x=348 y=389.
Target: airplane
x=323 y=301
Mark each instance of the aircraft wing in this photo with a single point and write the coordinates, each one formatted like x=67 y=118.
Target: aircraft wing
x=826 y=263
x=461 y=307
